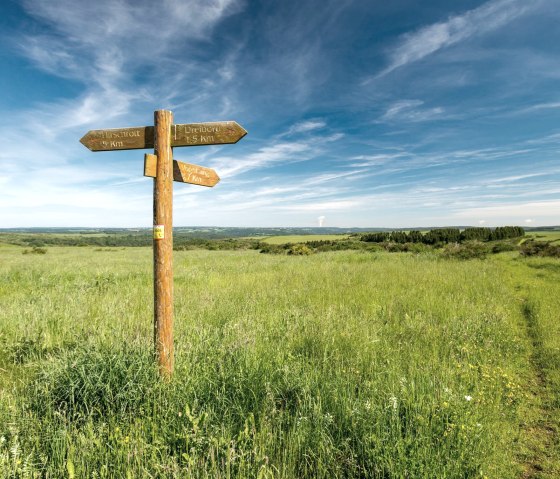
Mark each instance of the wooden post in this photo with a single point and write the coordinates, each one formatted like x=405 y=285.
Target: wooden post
x=163 y=242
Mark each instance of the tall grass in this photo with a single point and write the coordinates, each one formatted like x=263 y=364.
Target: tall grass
x=345 y=365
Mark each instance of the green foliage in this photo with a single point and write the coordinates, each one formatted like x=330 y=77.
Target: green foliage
x=300 y=250
x=502 y=246
x=540 y=248
x=442 y=236
x=188 y=244
x=35 y=250
x=405 y=247
x=467 y=250
x=269 y=248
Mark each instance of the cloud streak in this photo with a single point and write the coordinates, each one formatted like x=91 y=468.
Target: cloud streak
x=488 y=17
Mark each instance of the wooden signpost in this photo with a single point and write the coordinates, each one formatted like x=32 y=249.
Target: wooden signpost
x=163 y=136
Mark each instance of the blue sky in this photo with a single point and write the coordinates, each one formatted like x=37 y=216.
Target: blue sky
x=359 y=113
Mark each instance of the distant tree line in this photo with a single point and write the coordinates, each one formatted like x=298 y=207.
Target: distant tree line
x=445 y=235
x=180 y=241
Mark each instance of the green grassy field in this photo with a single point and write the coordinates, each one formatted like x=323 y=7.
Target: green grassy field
x=544 y=235
x=335 y=365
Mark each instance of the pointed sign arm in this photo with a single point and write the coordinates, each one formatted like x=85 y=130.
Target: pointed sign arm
x=183 y=172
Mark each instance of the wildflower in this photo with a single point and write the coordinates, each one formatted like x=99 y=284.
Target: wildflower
x=393 y=401
x=468 y=398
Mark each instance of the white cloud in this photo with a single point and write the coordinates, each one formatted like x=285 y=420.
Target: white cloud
x=306 y=126
x=545 y=106
x=428 y=40
x=264 y=157
x=279 y=152
x=517 y=210
x=409 y=110
x=375 y=160
x=514 y=178
x=333 y=205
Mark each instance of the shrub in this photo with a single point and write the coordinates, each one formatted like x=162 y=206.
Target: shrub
x=415 y=247
x=35 y=250
x=300 y=250
x=539 y=248
x=392 y=247
x=503 y=246
x=272 y=248
x=468 y=250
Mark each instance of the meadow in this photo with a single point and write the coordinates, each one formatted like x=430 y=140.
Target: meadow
x=553 y=236
x=351 y=364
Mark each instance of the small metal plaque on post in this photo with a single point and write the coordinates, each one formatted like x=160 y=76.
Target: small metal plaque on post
x=159 y=232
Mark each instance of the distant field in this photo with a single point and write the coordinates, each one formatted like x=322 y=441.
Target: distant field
x=544 y=235
x=302 y=238
x=344 y=364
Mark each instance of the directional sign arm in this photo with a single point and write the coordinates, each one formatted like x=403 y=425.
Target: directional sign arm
x=119 y=139
x=213 y=133
x=183 y=172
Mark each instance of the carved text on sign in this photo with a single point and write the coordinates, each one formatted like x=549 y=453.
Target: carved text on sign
x=213 y=133
x=189 y=134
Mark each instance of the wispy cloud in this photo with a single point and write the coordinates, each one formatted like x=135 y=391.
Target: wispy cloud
x=264 y=157
x=554 y=105
x=280 y=151
x=411 y=110
x=305 y=126
x=517 y=211
x=361 y=161
x=428 y=40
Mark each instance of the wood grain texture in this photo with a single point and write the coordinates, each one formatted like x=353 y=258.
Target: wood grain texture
x=183 y=172
x=163 y=248
x=184 y=134
x=119 y=139
x=212 y=133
